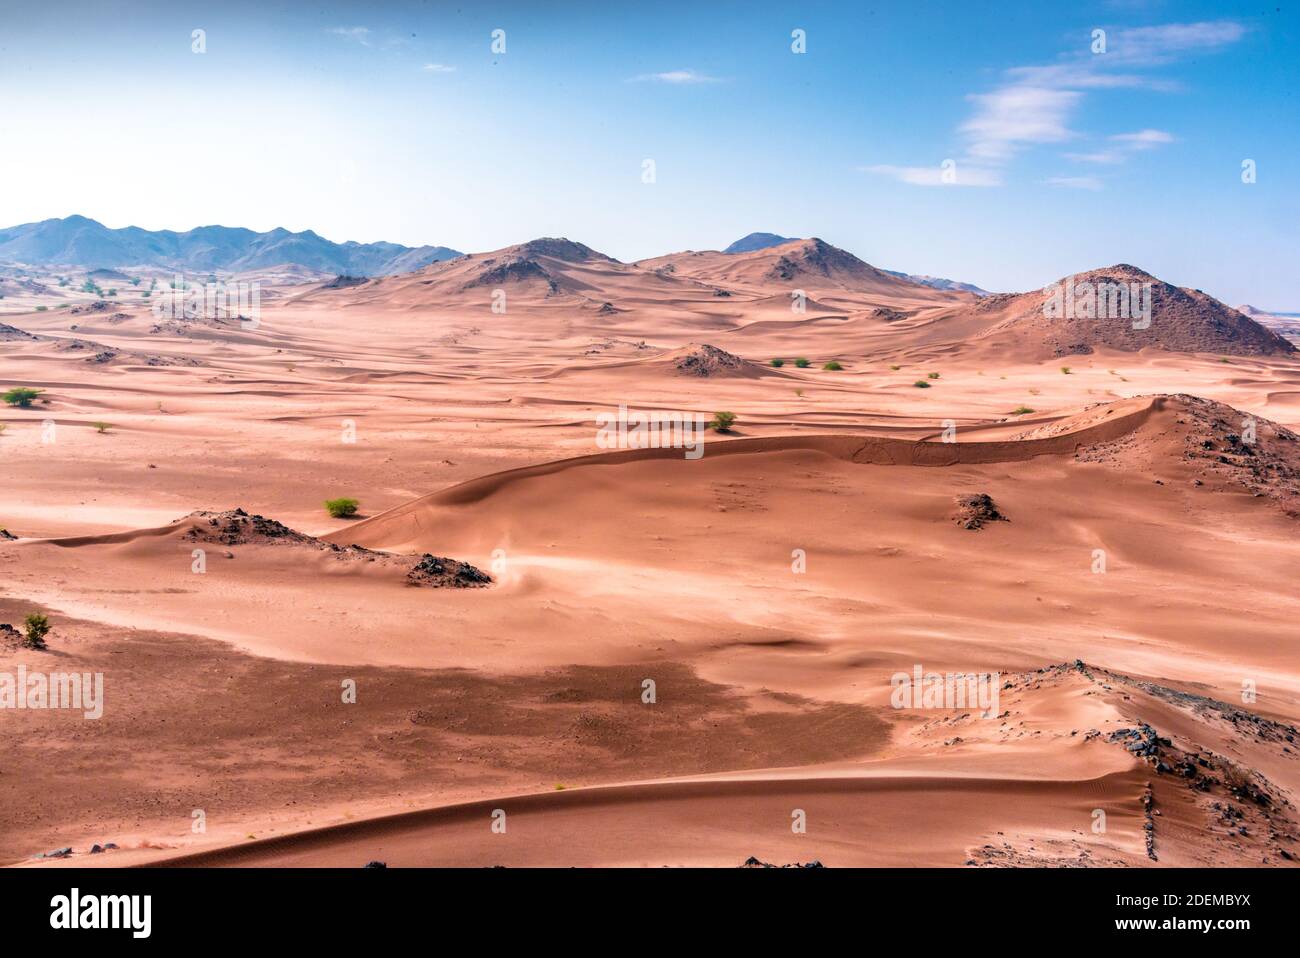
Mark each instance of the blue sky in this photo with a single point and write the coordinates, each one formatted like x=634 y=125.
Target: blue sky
x=396 y=121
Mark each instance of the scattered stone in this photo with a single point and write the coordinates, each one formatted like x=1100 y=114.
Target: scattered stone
x=973 y=511
x=705 y=360
x=753 y=862
x=441 y=572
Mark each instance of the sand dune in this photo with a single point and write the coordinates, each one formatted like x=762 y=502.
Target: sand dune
x=771 y=588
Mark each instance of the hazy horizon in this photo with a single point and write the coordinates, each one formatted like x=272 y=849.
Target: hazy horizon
x=399 y=123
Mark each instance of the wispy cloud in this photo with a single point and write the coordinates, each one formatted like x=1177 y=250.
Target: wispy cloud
x=679 y=77
x=1143 y=139
x=1014 y=115
x=1160 y=44
x=1075 y=182
x=360 y=34
x=1105 y=157
x=437 y=68
x=1035 y=104
x=960 y=175
x=1125 y=145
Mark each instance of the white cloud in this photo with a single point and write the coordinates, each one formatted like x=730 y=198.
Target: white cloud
x=1075 y=182
x=1014 y=115
x=1143 y=139
x=437 y=68
x=676 y=77
x=1159 y=44
x=360 y=34
x=1126 y=144
x=1107 y=157
x=963 y=175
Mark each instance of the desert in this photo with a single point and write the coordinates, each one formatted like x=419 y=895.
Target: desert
x=611 y=450
x=660 y=659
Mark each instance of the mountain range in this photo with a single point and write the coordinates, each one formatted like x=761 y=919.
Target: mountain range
x=80 y=241
x=757 y=241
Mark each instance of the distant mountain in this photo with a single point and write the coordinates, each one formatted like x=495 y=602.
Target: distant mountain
x=938 y=282
x=79 y=241
x=756 y=241
x=1155 y=314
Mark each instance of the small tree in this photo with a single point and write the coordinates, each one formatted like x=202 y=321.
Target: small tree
x=723 y=421
x=102 y=427
x=35 y=628
x=341 y=508
x=21 y=396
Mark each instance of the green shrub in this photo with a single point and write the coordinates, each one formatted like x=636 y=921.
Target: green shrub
x=41 y=309
x=341 y=508
x=832 y=367
x=722 y=421
x=931 y=375
x=1021 y=410
x=778 y=363
x=35 y=628
x=22 y=396
x=102 y=427
x=921 y=384
x=802 y=363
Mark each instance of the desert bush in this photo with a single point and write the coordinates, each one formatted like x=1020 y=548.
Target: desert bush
x=35 y=628
x=1065 y=370
x=895 y=368
x=931 y=375
x=778 y=363
x=41 y=309
x=832 y=366
x=1021 y=410
x=802 y=363
x=341 y=508
x=21 y=396
x=921 y=384
x=722 y=421
x=102 y=427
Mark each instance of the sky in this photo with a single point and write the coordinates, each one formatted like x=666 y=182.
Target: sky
x=1006 y=144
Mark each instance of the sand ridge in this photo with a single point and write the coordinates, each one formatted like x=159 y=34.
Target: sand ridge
x=769 y=590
